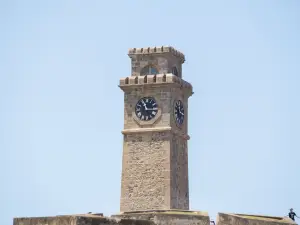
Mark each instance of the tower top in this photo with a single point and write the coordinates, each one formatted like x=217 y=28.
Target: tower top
x=156 y=60
x=157 y=50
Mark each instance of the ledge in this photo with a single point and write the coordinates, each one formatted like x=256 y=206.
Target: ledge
x=156 y=129
x=145 y=130
x=167 y=217
x=171 y=211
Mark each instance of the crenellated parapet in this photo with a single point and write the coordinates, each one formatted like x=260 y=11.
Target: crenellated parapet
x=156 y=60
x=159 y=79
x=156 y=50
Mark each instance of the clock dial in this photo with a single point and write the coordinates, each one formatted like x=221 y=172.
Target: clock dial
x=179 y=112
x=146 y=108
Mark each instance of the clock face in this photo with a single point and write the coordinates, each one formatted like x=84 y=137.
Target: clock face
x=146 y=108
x=179 y=112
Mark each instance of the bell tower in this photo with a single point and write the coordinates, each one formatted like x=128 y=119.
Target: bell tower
x=155 y=134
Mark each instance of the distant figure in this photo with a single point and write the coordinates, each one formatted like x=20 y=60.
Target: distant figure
x=292 y=214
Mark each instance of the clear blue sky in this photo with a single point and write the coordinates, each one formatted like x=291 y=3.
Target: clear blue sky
x=62 y=112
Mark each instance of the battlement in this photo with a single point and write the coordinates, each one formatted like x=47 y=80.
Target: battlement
x=154 y=79
x=159 y=79
x=157 y=50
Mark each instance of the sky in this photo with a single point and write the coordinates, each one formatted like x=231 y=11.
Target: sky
x=61 y=110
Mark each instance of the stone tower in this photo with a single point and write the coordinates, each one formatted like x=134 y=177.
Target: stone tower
x=155 y=152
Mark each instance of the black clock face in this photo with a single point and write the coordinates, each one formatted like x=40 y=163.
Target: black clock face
x=146 y=108
x=179 y=112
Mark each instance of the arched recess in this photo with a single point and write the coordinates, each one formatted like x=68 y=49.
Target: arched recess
x=175 y=71
x=149 y=70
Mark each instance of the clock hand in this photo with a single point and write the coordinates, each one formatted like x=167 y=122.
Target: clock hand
x=180 y=111
x=144 y=104
x=151 y=109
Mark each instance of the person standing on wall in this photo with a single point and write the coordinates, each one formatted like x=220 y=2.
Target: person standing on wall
x=292 y=214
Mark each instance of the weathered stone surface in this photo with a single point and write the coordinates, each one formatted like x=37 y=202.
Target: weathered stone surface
x=163 y=98
x=146 y=171
x=179 y=176
x=163 y=58
x=157 y=217
x=242 y=219
x=78 y=220
x=169 y=217
x=155 y=164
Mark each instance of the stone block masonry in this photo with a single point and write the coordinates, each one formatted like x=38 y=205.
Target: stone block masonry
x=179 y=176
x=155 y=160
x=169 y=217
x=155 y=172
x=85 y=219
x=244 y=219
x=146 y=171
x=157 y=217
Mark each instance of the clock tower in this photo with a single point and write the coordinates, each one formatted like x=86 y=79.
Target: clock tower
x=155 y=134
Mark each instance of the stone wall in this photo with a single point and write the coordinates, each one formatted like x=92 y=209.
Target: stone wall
x=146 y=171
x=155 y=164
x=157 y=217
x=242 y=219
x=162 y=96
x=169 y=217
x=78 y=220
x=163 y=58
x=179 y=177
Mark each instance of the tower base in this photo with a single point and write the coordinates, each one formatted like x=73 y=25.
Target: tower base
x=166 y=217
